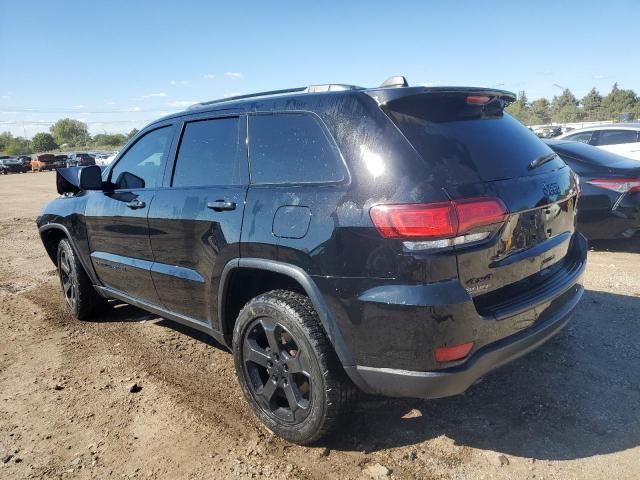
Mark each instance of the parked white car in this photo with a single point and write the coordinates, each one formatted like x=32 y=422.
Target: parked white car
x=620 y=138
x=105 y=159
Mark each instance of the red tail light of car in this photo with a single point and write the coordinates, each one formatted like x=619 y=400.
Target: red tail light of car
x=620 y=185
x=437 y=220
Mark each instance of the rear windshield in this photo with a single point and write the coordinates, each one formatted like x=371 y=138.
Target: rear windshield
x=468 y=143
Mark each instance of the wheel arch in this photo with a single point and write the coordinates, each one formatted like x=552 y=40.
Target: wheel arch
x=51 y=235
x=294 y=274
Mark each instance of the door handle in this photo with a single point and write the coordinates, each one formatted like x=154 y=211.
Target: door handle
x=221 y=205
x=135 y=204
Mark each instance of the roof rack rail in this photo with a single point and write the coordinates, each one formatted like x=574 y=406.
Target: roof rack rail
x=310 y=89
x=249 y=95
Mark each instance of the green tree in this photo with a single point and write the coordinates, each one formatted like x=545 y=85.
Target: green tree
x=10 y=145
x=619 y=101
x=592 y=105
x=71 y=132
x=540 y=111
x=5 y=140
x=109 y=140
x=520 y=109
x=43 y=142
x=564 y=108
x=132 y=133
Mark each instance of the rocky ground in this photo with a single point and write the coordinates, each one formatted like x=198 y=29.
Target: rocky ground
x=135 y=396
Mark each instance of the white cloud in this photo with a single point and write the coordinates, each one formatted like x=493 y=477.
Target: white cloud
x=209 y=76
x=134 y=109
x=234 y=75
x=77 y=107
x=430 y=84
x=152 y=95
x=601 y=77
x=110 y=102
x=232 y=94
x=178 y=82
x=180 y=103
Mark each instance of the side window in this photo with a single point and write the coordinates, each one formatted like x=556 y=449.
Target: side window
x=292 y=148
x=616 y=137
x=584 y=137
x=140 y=166
x=211 y=152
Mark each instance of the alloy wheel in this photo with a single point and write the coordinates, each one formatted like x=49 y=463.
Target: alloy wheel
x=278 y=370
x=68 y=280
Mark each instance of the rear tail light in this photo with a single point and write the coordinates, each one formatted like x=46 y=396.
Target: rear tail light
x=456 y=352
x=620 y=185
x=439 y=225
x=434 y=220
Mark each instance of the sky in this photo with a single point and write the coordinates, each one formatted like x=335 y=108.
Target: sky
x=120 y=64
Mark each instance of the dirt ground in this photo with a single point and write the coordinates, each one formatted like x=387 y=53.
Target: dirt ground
x=571 y=409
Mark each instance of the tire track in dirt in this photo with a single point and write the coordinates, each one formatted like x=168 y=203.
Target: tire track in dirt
x=565 y=411
x=198 y=377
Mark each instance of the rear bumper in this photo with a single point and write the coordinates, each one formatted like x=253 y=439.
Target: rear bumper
x=523 y=322
x=445 y=383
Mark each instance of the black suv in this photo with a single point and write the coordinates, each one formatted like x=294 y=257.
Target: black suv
x=15 y=164
x=403 y=241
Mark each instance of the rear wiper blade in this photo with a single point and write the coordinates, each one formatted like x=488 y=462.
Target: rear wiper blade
x=542 y=160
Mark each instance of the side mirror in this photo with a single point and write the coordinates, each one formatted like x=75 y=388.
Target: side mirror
x=90 y=178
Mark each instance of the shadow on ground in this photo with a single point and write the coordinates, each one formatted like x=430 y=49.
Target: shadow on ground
x=575 y=397
x=628 y=245
x=123 y=312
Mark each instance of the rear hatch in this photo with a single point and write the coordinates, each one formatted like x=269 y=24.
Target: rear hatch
x=476 y=150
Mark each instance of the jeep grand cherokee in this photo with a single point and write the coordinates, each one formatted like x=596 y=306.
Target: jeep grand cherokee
x=398 y=240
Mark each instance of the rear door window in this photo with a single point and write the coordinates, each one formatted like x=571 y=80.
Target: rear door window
x=292 y=148
x=211 y=152
x=463 y=142
x=617 y=137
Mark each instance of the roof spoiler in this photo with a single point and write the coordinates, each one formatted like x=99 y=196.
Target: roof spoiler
x=385 y=95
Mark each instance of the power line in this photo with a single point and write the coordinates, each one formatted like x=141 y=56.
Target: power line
x=6 y=110
x=44 y=123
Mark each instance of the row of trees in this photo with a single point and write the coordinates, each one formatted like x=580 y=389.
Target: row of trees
x=566 y=108
x=65 y=133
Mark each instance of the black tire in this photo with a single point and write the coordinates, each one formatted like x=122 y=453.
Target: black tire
x=305 y=371
x=81 y=298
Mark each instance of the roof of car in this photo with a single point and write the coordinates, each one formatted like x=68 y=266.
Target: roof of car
x=392 y=89
x=608 y=126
